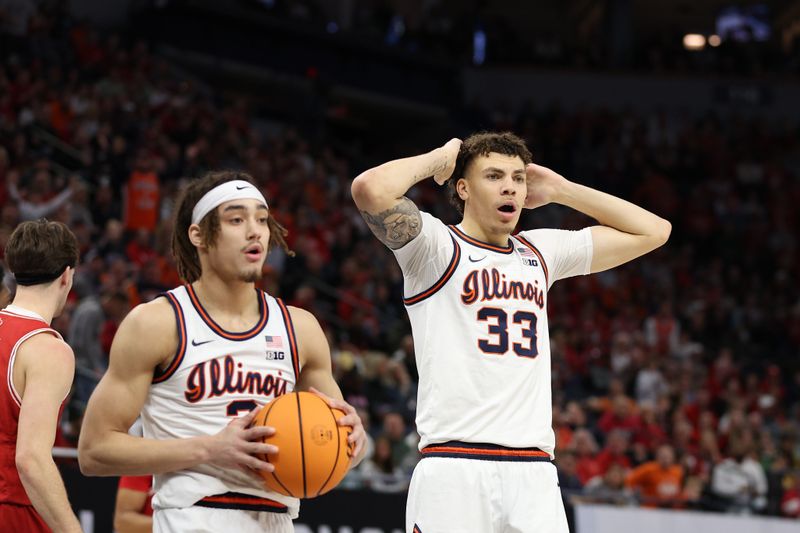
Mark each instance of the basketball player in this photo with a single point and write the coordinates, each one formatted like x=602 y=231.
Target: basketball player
x=133 y=512
x=477 y=297
x=39 y=367
x=195 y=360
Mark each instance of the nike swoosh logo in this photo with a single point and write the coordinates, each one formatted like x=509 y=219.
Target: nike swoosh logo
x=476 y=260
x=241 y=188
x=195 y=343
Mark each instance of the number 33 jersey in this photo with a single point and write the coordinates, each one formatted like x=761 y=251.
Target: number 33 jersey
x=217 y=375
x=479 y=320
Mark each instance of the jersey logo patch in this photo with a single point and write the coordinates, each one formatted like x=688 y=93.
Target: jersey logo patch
x=274 y=341
x=195 y=343
x=477 y=260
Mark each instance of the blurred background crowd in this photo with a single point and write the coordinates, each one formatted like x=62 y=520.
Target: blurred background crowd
x=676 y=378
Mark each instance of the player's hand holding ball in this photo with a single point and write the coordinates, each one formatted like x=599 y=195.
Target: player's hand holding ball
x=317 y=438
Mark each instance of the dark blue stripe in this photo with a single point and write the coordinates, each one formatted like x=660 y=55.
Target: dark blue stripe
x=160 y=376
x=250 y=503
x=480 y=244
x=488 y=457
x=448 y=273
x=484 y=452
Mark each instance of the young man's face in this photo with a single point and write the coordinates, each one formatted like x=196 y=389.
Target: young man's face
x=241 y=245
x=494 y=190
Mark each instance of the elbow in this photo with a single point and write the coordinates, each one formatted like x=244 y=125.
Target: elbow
x=89 y=466
x=88 y=462
x=663 y=232
x=29 y=465
x=365 y=189
x=25 y=466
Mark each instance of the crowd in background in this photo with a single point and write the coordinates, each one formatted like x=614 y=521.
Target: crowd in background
x=675 y=377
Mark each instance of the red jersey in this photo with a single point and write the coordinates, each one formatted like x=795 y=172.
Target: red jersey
x=16 y=326
x=140 y=484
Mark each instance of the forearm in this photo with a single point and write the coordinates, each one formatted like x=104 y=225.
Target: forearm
x=133 y=522
x=43 y=484
x=611 y=211
x=116 y=453
x=380 y=187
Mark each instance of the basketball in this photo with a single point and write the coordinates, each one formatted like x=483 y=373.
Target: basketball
x=313 y=453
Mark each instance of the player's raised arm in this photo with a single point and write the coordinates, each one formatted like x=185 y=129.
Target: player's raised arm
x=379 y=192
x=316 y=375
x=146 y=340
x=627 y=231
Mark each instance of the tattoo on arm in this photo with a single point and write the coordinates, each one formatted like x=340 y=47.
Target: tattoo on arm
x=432 y=170
x=396 y=226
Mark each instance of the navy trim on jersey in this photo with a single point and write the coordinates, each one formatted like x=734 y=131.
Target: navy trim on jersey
x=480 y=244
x=160 y=376
x=535 y=250
x=484 y=452
x=448 y=273
x=263 y=310
x=287 y=321
x=242 y=502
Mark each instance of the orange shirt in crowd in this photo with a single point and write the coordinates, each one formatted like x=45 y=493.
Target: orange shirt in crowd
x=656 y=484
x=141 y=201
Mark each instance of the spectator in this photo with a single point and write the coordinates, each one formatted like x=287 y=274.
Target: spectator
x=610 y=487
x=739 y=480
x=615 y=451
x=380 y=472
x=658 y=482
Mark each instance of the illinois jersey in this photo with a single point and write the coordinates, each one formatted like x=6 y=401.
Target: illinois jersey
x=217 y=375
x=479 y=319
x=16 y=326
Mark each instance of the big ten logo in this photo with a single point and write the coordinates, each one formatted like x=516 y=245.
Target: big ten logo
x=320 y=435
x=273 y=355
x=302 y=528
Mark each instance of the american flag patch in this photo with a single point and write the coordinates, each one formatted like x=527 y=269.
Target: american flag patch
x=526 y=252
x=274 y=341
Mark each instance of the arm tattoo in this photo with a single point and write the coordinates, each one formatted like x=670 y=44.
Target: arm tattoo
x=396 y=226
x=433 y=169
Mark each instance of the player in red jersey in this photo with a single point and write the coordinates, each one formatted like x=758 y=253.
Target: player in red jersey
x=39 y=367
x=133 y=512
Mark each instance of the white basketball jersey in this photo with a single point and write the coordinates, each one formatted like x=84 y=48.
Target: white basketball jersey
x=479 y=320
x=217 y=375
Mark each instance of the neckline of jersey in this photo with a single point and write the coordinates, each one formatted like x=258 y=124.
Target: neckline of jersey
x=459 y=232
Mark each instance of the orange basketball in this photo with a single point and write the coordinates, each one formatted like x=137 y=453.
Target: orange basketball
x=313 y=453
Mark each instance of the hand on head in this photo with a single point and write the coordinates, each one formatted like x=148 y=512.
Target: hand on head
x=449 y=154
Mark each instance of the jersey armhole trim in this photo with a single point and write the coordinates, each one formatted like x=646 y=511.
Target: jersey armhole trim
x=448 y=273
x=287 y=321
x=160 y=376
x=10 y=374
x=535 y=250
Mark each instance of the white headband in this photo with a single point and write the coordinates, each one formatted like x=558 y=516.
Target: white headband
x=230 y=190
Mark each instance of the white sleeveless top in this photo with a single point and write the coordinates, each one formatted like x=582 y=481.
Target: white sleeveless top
x=479 y=320
x=214 y=376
